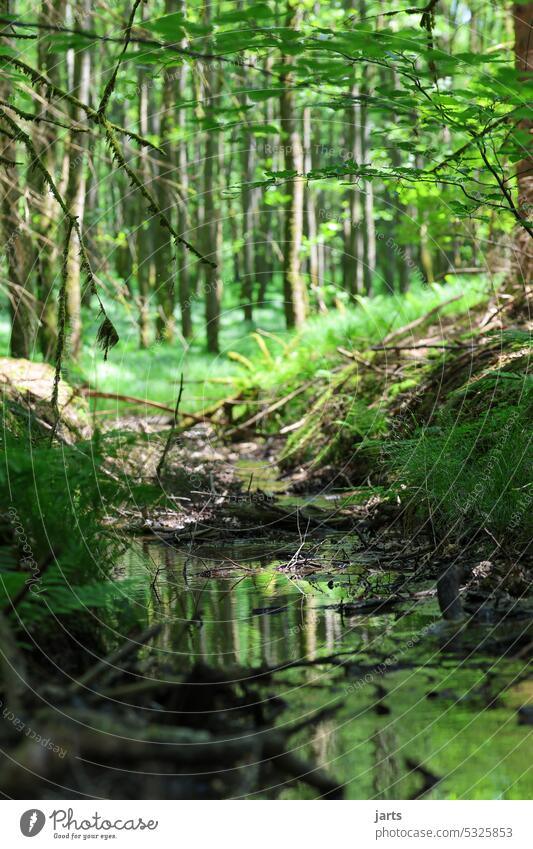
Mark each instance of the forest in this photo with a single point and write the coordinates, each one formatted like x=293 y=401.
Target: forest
x=266 y=278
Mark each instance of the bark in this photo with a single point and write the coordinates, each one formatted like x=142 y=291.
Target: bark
x=310 y=216
x=15 y=231
x=184 y=292
x=165 y=258
x=426 y=257
x=47 y=249
x=144 y=234
x=387 y=248
x=18 y=253
x=248 y=223
x=212 y=213
x=294 y=293
x=523 y=243
x=125 y=253
x=369 y=232
x=352 y=257
x=234 y=216
x=76 y=185
x=198 y=145
x=265 y=251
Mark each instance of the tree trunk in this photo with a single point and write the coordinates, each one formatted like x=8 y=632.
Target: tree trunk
x=75 y=195
x=184 y=292
x=165 y=257
x=15 y=230
x=369 y=231
x=294 y=293
x=352 y=257
x=248 y=223
x=310 y=217
x=212 y=214
x=45 y=142
x=264 y=254
x=426 y=257
x=523 y=243
x=144 y=233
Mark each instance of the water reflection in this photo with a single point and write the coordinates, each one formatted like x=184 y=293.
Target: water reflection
x=236 y=611
x=432 y=713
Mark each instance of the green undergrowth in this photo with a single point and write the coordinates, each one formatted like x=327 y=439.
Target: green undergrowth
x=260 y=359
x=56 y=552
x=468 y=470
x=343 y=407
x=313 y=352
x=256 y=359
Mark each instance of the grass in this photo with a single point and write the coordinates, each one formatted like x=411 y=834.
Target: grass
x=313 y=351
x=51 y=529
x=337 y=425
x=468 y=469
x=274 y=365
x=471 y=476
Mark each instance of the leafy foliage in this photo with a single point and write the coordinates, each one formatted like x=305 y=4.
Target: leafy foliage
x=57 y=556
x=470 y=471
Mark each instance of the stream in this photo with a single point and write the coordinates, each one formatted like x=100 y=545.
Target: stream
x=424 y=708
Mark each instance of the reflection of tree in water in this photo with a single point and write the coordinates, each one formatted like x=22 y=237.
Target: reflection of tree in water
x=387 y=772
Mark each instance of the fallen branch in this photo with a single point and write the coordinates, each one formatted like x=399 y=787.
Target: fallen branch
x=352 y=355
x=270 y=409
x=403 y=331
x=127 y=399
x=457 y=347
x=130 y=646
x=171 y=432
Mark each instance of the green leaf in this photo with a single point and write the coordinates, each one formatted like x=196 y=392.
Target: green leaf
x=235 y=41
x=265 y=93
x=255 y=12
x=175 y=27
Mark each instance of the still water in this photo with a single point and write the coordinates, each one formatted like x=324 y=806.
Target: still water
x=420 y=706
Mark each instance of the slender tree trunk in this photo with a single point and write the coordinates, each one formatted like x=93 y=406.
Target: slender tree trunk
x=248 y=223
x=265 y=251
x=387 y=261
x=310 y=216
x=184 y=292
x=212 y=213
x=352 y=256
x=125 y=253
x=235 y=225
x=426 y=257
x=249 y=208
x=369 y=232
x=45 y=142
x=523 y=243
x=165 y=257
x=18 y=254
x=15 y=231
x=77 y=174
x=144 y=232
x=264 y=266
x=198 y=145
x=294 y=293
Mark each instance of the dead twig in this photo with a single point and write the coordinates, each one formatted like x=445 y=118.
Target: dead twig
x=171 y=432
x=127 y=648
x=270 y=409
x=403 y=331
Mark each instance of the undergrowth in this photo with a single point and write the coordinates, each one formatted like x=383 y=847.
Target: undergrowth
x=344 y=408
x=313 y=352
x=468 y=471
x=56 y=553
